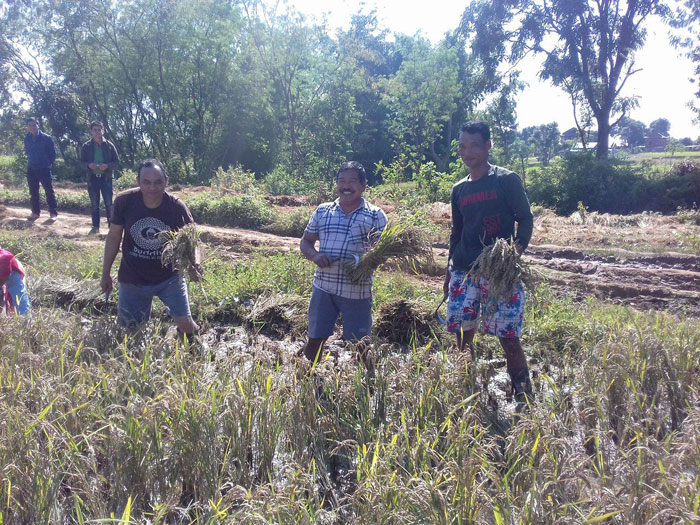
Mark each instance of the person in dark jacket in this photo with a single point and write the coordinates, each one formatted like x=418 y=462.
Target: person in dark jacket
x=41 y=154
x=98 y=157
x=486 y=205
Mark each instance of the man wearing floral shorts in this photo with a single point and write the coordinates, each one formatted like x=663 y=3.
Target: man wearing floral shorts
x=486 y=205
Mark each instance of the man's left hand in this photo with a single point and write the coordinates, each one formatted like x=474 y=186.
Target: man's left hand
x=103 y=167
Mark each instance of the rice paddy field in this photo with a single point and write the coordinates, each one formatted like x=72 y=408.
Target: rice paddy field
x=97 y=426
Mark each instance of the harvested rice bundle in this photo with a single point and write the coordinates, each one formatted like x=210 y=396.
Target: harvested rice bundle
x=180 y=249
x=404 y=243
x=502 y=266
x=401 y=321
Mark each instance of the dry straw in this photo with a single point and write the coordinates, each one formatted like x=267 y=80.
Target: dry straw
x=180 y=249
x=501 y=265
x=403 y=243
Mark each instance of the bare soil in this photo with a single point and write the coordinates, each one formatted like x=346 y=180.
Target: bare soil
x=639 y=261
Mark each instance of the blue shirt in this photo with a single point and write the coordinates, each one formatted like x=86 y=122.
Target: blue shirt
x=342 y=237
x=40 y=150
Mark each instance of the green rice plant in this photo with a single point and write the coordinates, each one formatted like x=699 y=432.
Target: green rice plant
x=403 y=243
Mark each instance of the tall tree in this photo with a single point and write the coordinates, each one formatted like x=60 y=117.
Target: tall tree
x=662 y=126
x=422 y=97
x=686 y=20
x=631 y=131
x=588 y=45
x=545 y=140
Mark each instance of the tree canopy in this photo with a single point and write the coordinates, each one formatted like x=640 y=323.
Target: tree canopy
x=214 y=84
x=587 y=46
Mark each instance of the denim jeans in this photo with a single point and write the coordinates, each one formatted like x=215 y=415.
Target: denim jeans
x=97 y=185
x=135 y=301
x=43 y=176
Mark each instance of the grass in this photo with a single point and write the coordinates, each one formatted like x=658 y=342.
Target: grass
x=94 y=427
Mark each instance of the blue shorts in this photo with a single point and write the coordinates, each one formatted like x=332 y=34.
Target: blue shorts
x=324 y=309
x=468 y=300
x=135 y=301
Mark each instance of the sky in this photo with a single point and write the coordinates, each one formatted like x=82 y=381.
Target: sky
x=662 y=85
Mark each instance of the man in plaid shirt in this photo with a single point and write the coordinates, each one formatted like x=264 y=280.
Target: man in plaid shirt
x=343 y=228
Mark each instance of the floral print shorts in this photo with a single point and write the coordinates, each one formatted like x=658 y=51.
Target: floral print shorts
x=468 y=300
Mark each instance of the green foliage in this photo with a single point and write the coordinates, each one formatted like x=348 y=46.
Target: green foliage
x=235 y=180
x=13 y=170
x=434 y=185
x=609 y=186
x=76 y=202
x=125 y=181
x=290 y=224
x=586 y=47
x=241 y=211
x=281 y=181
x=423 y=97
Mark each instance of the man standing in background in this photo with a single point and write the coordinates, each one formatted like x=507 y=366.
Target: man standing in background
x=98 y=157
x=41 y=154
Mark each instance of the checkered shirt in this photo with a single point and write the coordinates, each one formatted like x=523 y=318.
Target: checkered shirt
x=342 y=237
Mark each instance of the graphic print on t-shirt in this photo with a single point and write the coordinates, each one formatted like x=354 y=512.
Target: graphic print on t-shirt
x=145 y=232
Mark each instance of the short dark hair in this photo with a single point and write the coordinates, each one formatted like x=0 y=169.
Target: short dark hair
x=477 y=126
x=96 y=123
x=354 y=165
x=151 y=163
x=32 y=119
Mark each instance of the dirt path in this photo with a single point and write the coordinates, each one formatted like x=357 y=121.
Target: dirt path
x=659 y=281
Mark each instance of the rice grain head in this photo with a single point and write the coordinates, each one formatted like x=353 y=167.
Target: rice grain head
x=502 y=266
x=403 y=243
x=180 y=248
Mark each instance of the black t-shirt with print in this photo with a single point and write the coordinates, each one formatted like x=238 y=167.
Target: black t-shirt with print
x=487 y=209
x=141 y=248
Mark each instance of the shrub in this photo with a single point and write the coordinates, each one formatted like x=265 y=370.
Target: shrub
x=282 y=181
x=126 y=181
x=241 y=211
x=13 y=170
x=434 y=184
x=611 y=186
x=290 y=224
x=235 y=179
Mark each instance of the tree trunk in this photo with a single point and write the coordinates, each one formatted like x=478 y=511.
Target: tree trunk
x=601 y=150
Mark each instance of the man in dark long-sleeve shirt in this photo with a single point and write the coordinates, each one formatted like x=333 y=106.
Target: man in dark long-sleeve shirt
x=41 y=154
x=486 y=205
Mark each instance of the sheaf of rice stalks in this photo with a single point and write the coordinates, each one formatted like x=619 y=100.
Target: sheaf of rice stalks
x=403 y=243
x=180 y=248
x=502 y=266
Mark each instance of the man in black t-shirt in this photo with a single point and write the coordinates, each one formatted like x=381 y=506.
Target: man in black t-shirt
x=485 y=206
x=139 y=215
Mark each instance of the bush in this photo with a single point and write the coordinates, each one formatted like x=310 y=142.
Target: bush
x=282 y=181
x=290 y=224
x=126 y=181
x=75 y=202
x=435 y=185
x=13 y=170
x=235 y=179
x=611 y=186
x=240 y=211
